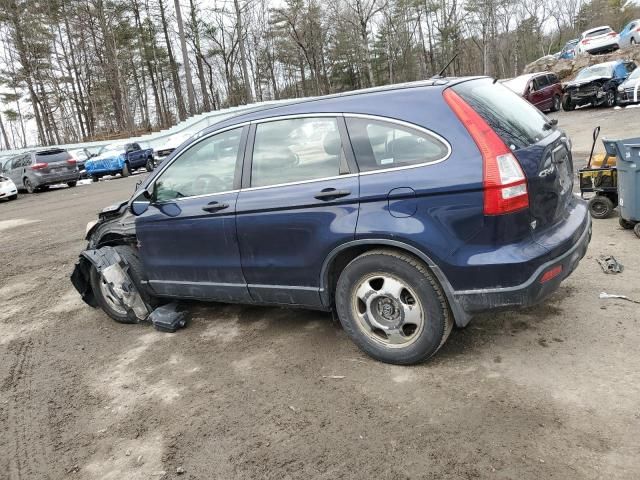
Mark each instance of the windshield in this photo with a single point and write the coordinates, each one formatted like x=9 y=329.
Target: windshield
x=596 y=71
x=518 y=123
x=600 y=31
x=111 y=149
x=635 y=74
x=518 y=84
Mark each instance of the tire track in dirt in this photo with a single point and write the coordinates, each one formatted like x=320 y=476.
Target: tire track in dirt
x=29 y=446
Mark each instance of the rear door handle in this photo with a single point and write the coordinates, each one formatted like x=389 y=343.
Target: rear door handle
x=212 y=207
x=327 y=194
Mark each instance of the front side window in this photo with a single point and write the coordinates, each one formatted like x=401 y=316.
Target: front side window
x=295 y=150
x=205 y=168
x=378 y=144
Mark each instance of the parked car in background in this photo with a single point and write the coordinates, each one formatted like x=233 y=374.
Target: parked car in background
x=407 y=209
x=598 y=40
x=173 y=142
x=8 y=189
x=596 y=85
x=122 y=158
x=569 y=51
x=32 y=171
x=543 y=90
x=629 y=90
x=630 y=34
x=81 y=155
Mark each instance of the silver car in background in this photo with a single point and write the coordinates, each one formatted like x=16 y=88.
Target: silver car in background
x=34 y=170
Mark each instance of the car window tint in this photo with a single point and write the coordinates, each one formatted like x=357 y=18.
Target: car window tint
x=295 y=150
x=52 y=156
x=206 y=167
x=541 y=82
x=378 y=144
x=553 y=79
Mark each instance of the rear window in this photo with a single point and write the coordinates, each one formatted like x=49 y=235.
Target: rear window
x=52 y=156
x=600 y=31
x=515 y=120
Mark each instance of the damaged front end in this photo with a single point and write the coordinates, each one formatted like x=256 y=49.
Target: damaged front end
x=110 y=268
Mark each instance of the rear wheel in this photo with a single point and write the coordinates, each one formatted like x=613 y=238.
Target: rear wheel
x=106 y=298
x=392 y=308
x=636 y=230
x=95 y=178
x=601 y=206
x=568 y=105
x=28 y=186
x=626 y=224
x=632 y=41
x=125 y=170
x=72 y=184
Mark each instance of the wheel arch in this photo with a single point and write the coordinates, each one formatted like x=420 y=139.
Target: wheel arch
x=340 y=256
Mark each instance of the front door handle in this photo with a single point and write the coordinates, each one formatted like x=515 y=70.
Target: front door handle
x=327 y=194
x=214 y=206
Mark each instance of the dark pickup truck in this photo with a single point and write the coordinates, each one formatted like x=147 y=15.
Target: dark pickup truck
x=120 y=158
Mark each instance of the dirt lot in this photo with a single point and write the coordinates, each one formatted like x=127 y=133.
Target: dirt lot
x=550 y=392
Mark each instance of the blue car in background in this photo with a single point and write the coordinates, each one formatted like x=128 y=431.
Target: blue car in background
x=569 y=50
x=403 y=209
x=120 y=159
x=630 y=34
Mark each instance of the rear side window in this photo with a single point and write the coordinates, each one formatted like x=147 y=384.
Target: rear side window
x=553 y=79
x=296 y=150
x=52 y=156
x=540 y=82
x=378 y=144
x=515 y=120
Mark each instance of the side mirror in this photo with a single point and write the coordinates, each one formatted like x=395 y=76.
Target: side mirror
x=142 y=201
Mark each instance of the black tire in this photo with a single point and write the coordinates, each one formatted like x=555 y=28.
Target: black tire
x=557 y=103
x=125 y=170
x=610 y=99
x=72 y=184
x=95 y=178
x=601 y=207
x=568 y=105
x=437 y=322
x=28 y=186
x=13 y=197
x=149 y=165
x=135 y=272
x=626 y=224
x=636 y=230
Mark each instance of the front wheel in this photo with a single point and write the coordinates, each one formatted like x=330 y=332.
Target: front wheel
x=601 y=207
x=568 y=105
x=610 y=99
x=106 y=296
x=391 y=306
x=636 y=230
x=556 y=103
x=149 y=165
x=72 y=184
x=13 y=197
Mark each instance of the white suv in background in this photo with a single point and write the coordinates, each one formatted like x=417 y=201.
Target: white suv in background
x=599 y=40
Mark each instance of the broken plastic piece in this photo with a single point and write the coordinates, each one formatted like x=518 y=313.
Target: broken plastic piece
x=613 y=295
x=609 y=264
x=168 y=318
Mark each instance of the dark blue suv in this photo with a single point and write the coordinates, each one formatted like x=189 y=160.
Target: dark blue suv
x=403 y=209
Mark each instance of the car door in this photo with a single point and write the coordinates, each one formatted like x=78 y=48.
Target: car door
x=299 y=201
x=133 y=153
x=17 y=169
x=187 y=235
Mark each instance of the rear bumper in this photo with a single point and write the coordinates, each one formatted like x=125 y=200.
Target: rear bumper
x=52 y=179
x=532 y=291
x=601 y=48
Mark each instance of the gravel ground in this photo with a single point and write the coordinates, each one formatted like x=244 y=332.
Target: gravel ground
x=550 y=392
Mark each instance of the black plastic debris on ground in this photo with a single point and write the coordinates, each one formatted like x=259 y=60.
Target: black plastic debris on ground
x=168 y=318
x=609 y=264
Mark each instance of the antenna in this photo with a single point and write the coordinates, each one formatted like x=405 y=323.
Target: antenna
x=447 y=65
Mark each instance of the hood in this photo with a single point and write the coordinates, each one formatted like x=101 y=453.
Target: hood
x=630 y=83
x=586 y=81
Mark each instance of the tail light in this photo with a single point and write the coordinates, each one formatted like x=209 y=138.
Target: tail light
x=504 y=183
x=71 y=161
x=551 y=274
x=39 y=166
x=612 y=34
x=585 y=41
